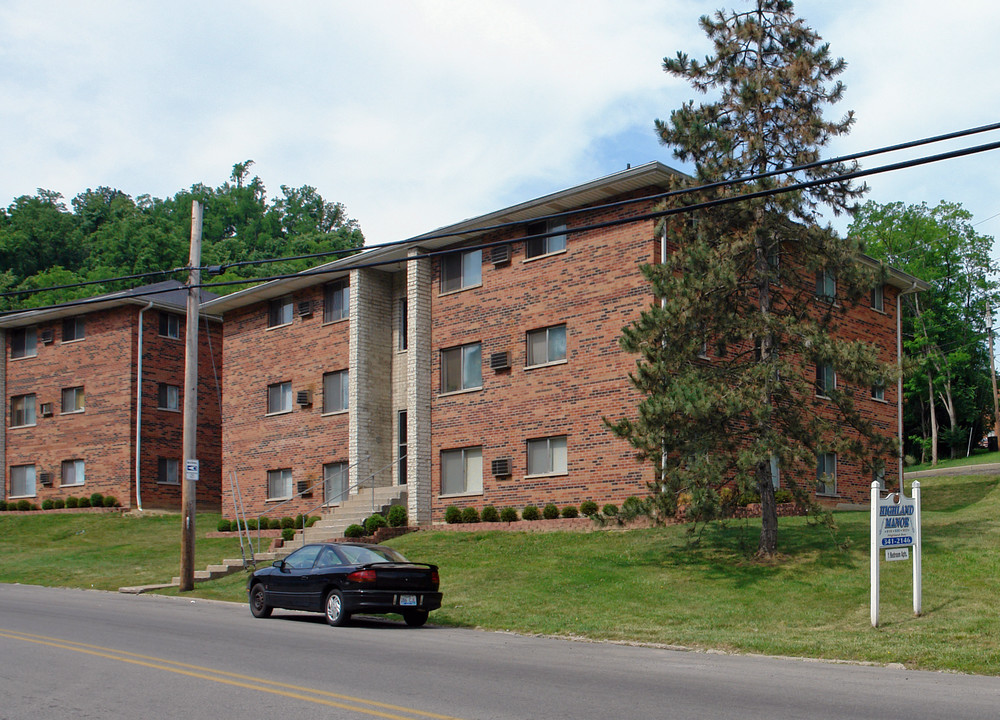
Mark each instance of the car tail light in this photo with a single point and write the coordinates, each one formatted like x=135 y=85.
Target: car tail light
x=435 y=580
x=362 y=576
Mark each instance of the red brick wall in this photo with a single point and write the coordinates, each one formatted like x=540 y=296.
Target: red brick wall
x=103 y=435
x=303 y=440
x=595 y=288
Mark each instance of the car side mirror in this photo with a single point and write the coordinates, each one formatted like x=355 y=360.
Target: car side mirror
x=280 y=564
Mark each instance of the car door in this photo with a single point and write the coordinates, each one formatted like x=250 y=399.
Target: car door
x=291 y=584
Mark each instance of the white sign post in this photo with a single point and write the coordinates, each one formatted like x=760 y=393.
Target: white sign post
x=895 y=526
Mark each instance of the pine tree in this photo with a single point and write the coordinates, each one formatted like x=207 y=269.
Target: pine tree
x=745 y=323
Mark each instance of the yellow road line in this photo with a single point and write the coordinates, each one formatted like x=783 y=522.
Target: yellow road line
x=220 y=676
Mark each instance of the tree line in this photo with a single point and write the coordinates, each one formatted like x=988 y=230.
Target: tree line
x=104 y=233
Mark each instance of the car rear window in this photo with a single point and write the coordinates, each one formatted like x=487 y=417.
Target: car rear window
x=363 y=556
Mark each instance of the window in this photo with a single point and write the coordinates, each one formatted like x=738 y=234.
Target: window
x=774 y=260
x=279 y=397
x=826 y=379
x=461 y=368
x=462 y=471
x=547 y=345
x=461 y=270
x=24 y=342
x=168 y=397
x=72 y=472
x=336 y=301
x=536 y=247
x=167 y=471
x=22 y=410
x=170 y=325
x=72 y=400
x=878 y=391
x=401 y=447
x=279 y=484
x=279 y=312
x=404 y=326
x=878 y=298
x=22 y=480
x=878 y=473
x=547 y=456
x=826 y=285
x=775 y=471
x=334 y=482
x=73 y=329
x=826 y=474
x=335 y=391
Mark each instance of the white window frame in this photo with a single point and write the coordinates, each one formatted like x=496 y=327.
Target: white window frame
x=467 y=355
x=27 y=412
x=331 y=471
x=826 y=379
x=461 y=270
x=78 y=403
x=28 y=345
x=336 y=301
x=168 y=471
x=74 y=328
x=167 y=400
x=826 y=285
x=76 y=470
x=878 y=298
x=551 y=353
x=337 y=401
x=824 y=476
x=279 y=398
x=280 y=312
x=878 y=392
x=547 y=456
x=170 y=325
x=282 y=476
x=26 y=484
x=551 y=245
x=471 y=480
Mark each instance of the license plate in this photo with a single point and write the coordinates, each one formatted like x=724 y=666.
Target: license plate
x=408 y=600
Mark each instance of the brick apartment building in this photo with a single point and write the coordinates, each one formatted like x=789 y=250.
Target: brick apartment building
x=471 y=376
x=75 y=421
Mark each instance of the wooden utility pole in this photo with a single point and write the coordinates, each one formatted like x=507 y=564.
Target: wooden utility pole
x=993 y=377
x=189 y=443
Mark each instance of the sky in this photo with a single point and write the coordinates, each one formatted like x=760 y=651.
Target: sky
x=423 y=113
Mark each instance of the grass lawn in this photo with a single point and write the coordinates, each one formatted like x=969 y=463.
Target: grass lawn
x=648 y=586
x=978 y=457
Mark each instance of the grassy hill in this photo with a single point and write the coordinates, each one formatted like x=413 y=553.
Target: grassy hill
x=647 y=586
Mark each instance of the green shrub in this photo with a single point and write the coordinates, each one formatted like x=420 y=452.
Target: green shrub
x=508 y=514
x=85 y=502
x=396 y=517
x=570 y=511
x=3 y=506
x=287 y=534
x=298 y=520
x=58 y=503
x=452 y=515
x=470 y=515
x=110 y=501
x=97 y=500
x=287 y=522
x=490 y=514
x=224 y=525
x=47 y=504
x=748 y=498
x=354 y=531
x=23 y=505
x=550 y=511
x=530 y=512
x=313 y=519
x=588 y=508
x=610 y=509
x=72 y=501
x=784 y=495
x=373 y=523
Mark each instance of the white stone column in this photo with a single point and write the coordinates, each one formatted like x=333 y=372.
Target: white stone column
x=418 y=402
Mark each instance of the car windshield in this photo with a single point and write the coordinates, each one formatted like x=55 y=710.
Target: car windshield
x=364 y=555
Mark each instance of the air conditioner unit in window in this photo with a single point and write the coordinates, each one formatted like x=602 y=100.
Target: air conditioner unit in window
x=304 y=489
x=46 y=409
x=45 y=478
x=500 y=254
x=47 y=336
x=499 y=361
x=305 y=308
x=304 y=397
x=501 y=467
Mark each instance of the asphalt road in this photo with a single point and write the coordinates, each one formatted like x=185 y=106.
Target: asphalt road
x=87 y=654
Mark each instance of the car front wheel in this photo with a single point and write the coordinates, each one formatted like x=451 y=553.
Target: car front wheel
x=334 y=609
x=258 y=602
x=415 y=618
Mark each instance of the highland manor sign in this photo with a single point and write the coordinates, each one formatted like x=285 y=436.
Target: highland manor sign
x=895 y=527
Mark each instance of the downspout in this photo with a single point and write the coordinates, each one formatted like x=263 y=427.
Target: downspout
x=663 y=304
x=138 y=415
x=899 y=381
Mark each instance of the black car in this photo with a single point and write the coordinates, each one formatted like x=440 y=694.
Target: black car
x=340 y=579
